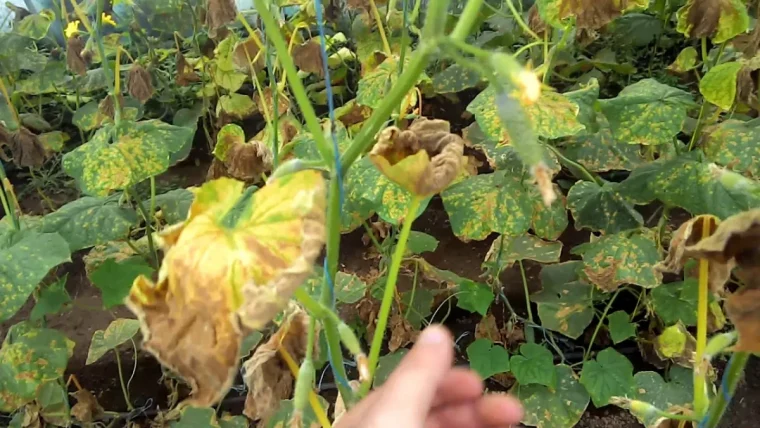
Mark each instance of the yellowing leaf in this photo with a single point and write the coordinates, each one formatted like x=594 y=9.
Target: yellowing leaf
x=719 y=84
x=118 y=332
x=720 y=20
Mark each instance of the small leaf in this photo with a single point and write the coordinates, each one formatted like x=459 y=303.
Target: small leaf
x=677 y=344
x=238 y=106
x=602 y=208
x=610 y=375
x=420 y=242
x=487 y=358
x=620 y=326
x=474 y=297
x=118 y=332
x=90 y=221
x=349 y=288
x=175 y=204
x=51 y=300
x=676 y=302
x=534 y=365
x=385 y=366
x=560 y=407
x=26 y=257
x=115 y=278
x=685 y=61
x=647 y=112
x=250 y=342
x=614 y=260
x=565 y=304
x=54 y=141
x=506 y=250
x=719 y=84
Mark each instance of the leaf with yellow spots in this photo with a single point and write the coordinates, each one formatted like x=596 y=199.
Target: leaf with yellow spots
x=374 y=86
x=553 y=116
x=30 y=357
x=305 y=147
x=685 y=61
x=647 y=112
x=736 y=145
x=238 y=106
x=602 y=208
x=26 y=257
x=623 y=258
x=719 y=84
x=118 y=157
x=721 y=20
x=669 y=396
x=601 y=152
x=560 y=407
x=565 y=304
x=456 y=78
x=506 y=250
x=235 y=261
x=90 y=221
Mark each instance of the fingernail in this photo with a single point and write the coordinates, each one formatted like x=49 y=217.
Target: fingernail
x=433 y=335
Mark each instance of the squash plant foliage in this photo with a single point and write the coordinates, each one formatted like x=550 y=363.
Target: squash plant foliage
x=630 y=123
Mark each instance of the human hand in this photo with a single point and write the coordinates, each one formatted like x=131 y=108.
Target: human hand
x=425 y=391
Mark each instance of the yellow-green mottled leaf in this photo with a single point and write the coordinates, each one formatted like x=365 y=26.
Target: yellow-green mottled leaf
x=621 y=327
x=139 y=150
x=586 y=98
x=238 y=106
x=305 y=147
x=455 y=79
x=736 y=145
x=565 y=304
x=548 y=222
x=647 y=112
x=534 y=365
x=506 y=250
x=483 y=204
x=374 y=86
x=36 y=25
x=230 y=135
x=719 y=84
x=610 y=375
x=54 y=141
x=721 y=20
x=285 y=414
x=676 y=343
x=49 y=80
x=90 y=221
x=560 y=407
x=26 y=257
x=602 y=208
x=30 y=357
x=118 y=332
x=553 y=116
x=685 y=61
x=622 y=258
x=601 y=152
x=89 y=117
x=356 y=208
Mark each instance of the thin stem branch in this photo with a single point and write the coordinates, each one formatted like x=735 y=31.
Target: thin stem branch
x=121 y=380
x=380 y=27
x=599 y=325
x=518 y=19
x=529 y=334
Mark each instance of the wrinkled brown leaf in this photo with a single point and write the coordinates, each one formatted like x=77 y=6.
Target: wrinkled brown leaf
x=535 y=23
x=308 y=57
x=139 y=83
x=246 y=55
x=219 y=13
x=282 y=101
x=681 y=353
x=402 y=332
x=591 y=15
x=107 y=108
x=267 y=376
x=217 y=170
x=247 y=162
x=74 y=59
x=743 y=307
x=87 y=409
x=748 y=43
x=26 y=148
x=704 y=16
x=185 y=73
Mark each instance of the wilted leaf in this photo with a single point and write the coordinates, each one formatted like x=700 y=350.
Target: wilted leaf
x=614 y=260
x=308 y=57
x=487 y=358
x=647 y=112
x=506 y=250
x=565 y=304
x=720 y=20
x=685 y=61
x=677 y=302
x=53 y=141
x=621 y=327
x=87 y=409
x=240 y=159
x=719 y=84
x=610 y=375
x=734 y=144
x=602 y=208
x=590 y=15
x=560 y=407
x=474 y=297
x=26 y=257
x=51 y=300
x=29 y=358
x=139 y=150
x=534 y=365
x=140 y=83
x=118 y=332
x=114 y=278
x=742 y=308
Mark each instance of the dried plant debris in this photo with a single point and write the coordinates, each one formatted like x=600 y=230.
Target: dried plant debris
x=139 y=83
x=423 y=159
x=308 y=57
x=239 y=159
x=720 y=20
x=185 y=73
x=27 y=151
x=87 y=409
x=591 y=15
x=219 y=13
x=75 y=61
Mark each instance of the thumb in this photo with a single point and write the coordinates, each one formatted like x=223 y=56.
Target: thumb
x=412 y=387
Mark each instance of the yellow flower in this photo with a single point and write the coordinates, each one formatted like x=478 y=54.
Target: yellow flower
x=72 y=29
x=107 y=19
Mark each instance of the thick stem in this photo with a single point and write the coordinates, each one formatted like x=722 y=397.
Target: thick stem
x=121 y=380
x=380 y=28
x=730 y=381
x=390 y=291
x=701 y=402
x=467 y=19
x=599 y=325
x=529 y=334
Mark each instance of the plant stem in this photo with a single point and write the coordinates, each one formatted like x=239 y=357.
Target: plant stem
x=599 y=325
x=316 y=406
x=552 y=53
x=380 y=28
x=518 y=19
x=704 y=50
x=296 y=85
x=390 y=291
x=153 y=200
x=121 y=380
x=730 y=381
x=529 y=334
x=467 y=19
x=697 y=128
x=701 y=402
x=577 y=169
x=149 y=229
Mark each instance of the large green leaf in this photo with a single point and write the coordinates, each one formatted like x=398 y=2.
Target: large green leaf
x=669 y=396
x=623 y=258
x=565 y=304
x=610 y=375
x=175 y=204
x=602 y=208
x=676 y=302
x=553 y=116
x=420 y=242
x=534 y=365
x=647 y=112
x=719 y=84
x=139 y=150
x=52 y=299
x=487 y=203
x=506 y=250
x=90 y=221
x=29 y=358
x=736 y=145
x=621 y=327
x=560 y=407
x=720 y=20
x=26 y=257
x=487 y=358
x=474 y=297
x=114 y=278
x=36 y=25
x=118 y=332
